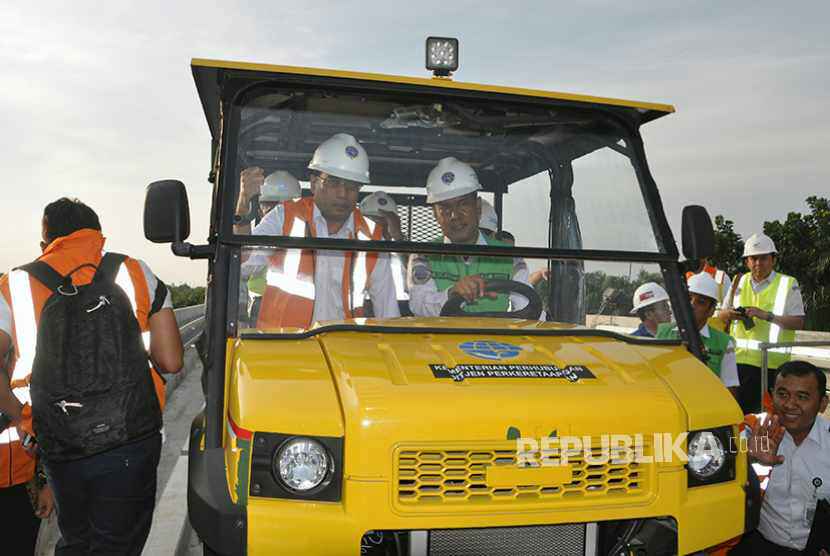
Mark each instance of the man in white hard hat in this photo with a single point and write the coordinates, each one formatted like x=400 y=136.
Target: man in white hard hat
x=277 y=187
x=315 y=286
x=773 y=303
x=651 y=304
x=452 y=190
x=720 y=347
x=381 y=209
x=721 y=279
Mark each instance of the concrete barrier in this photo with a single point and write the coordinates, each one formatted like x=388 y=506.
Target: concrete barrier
x=187 y=314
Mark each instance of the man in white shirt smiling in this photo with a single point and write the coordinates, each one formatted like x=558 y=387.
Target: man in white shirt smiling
x=795 y=441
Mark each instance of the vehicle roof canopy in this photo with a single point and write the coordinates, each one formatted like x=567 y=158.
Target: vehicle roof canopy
x=497 y=161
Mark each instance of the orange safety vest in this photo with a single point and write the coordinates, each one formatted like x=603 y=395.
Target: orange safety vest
x=288 y=300
x=26 y=297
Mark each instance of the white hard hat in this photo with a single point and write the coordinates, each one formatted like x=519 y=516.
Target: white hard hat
x=451 y=178
x=372 y=204
x=648 y=294
x=279 y=186
x=489 y=220
x=759 y=244
x=342 y=156
x=703 y=284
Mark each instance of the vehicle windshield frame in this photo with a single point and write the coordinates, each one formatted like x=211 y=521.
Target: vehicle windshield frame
x=239 y=92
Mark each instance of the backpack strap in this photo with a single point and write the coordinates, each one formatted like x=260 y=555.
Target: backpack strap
x=108 y=267
x=158 y=298
x=48 y=276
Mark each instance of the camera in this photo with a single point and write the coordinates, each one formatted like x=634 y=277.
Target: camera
x=748 y=322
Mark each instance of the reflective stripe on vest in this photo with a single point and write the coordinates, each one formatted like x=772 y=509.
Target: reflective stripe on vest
x=125 y=282
x=360 y=281
x=287 y=278
x=749 y=341
x=23 y=310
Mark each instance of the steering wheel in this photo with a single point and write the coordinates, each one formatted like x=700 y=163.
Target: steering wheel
x=452 y=308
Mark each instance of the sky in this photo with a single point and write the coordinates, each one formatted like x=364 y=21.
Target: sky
x=98 y=99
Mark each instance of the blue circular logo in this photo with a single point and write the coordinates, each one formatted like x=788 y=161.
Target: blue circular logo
x=487 y=349
x=448 y=177
x=382 y=202
x=351 y=151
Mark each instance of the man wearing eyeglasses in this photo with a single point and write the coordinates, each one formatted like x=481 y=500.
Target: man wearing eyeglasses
x=452 y=190
x=305 y=286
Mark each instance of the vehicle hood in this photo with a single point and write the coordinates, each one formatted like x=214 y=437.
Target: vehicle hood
x=389 y=387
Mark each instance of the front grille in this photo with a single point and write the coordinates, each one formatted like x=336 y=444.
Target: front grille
x=562 y=540
x=457 y=477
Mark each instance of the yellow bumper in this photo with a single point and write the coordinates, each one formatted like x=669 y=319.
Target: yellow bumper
x=705 y=517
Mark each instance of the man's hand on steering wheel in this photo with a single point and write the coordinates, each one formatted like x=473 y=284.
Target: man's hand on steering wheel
x=471 y=288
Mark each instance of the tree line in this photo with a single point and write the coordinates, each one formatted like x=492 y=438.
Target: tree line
x=803 y=243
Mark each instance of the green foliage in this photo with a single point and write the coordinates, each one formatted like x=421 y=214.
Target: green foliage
x=803 y=242
x=728 y=247
x=185 y=296
x=597 y=283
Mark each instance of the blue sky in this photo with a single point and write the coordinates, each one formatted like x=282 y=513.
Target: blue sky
x=98 y=99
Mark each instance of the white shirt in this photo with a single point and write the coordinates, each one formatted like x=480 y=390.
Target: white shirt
x=725 y=286
x=790 y=487
x=728 y=363
x=328 y=269
x=5 y=317
x=426 y=301
x=149 y=278
x=793 y=306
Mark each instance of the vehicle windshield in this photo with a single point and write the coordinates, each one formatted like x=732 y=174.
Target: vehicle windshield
x=462 y=171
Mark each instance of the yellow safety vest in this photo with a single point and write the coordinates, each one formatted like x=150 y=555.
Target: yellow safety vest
x=772 y=298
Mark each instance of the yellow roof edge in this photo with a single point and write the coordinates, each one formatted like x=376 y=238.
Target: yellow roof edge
x=431 y=82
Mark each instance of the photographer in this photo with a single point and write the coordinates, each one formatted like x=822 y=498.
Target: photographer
x=772 y=302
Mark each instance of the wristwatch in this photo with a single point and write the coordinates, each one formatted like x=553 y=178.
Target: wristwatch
x=770 y=316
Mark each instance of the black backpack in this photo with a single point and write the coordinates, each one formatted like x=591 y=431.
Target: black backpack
x=91 y=386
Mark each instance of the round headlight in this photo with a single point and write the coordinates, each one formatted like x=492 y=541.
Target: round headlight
x=706 y=454
x=302 y=464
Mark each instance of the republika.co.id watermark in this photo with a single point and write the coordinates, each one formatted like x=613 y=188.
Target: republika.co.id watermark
x=619 y=449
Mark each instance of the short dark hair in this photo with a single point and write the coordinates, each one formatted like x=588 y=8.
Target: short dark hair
x=803 y=368
x=66 y=216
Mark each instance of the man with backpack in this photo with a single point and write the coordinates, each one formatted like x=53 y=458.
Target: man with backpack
x=83 y=384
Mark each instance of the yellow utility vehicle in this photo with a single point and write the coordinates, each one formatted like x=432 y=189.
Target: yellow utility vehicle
x=505 y=432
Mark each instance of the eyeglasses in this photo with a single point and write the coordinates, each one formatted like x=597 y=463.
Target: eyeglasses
x=463 y=206
x=333 y=182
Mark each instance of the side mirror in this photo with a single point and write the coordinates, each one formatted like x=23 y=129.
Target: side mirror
x=698 y=233
x=166 y=212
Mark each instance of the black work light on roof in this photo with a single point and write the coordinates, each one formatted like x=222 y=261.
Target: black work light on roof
x=442 y=55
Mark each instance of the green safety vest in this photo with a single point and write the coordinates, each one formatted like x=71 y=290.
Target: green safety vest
x=772 y=298
x=257 y=283
x=716 y=344
x=449 y=269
